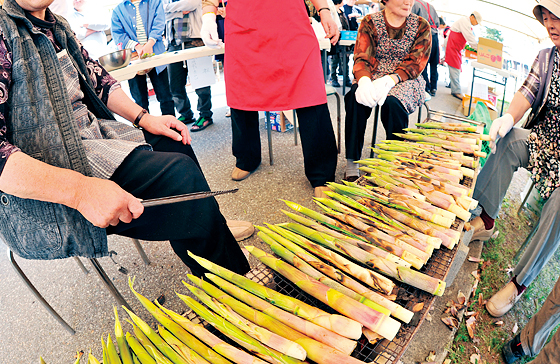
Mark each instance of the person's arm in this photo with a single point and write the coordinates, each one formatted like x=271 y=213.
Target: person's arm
x=155 y=33
x=331 y=29
x=180 y=6
x=415 y=62
x=465 y=27
x=365 y=49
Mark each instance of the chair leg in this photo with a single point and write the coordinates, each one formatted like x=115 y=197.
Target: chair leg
x=295 y=126
x=338 y=120
x=81 y=265
x=141 y=251
x=374 y=136
x=108 y=284
x=269 y=133
x=37 y=294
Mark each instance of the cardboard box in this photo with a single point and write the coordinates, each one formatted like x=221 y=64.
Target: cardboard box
x=490 y=52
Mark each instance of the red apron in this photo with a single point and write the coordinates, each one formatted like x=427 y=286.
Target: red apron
x=455 y=45
x=272 y=57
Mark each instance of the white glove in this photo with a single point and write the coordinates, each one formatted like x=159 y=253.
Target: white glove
x=500 y=127
x=365 y=92
x=209 y=31
x=381 y=87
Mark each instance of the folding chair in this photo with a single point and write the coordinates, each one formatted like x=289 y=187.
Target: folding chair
x=98 y=269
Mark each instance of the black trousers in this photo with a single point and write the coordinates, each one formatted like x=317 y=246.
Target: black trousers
x=433 y=61
x=317 y=141
x=393 y=117
x=197 y=226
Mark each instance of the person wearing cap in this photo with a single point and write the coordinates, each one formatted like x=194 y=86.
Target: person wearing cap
x=461 y=33
x=534 y=146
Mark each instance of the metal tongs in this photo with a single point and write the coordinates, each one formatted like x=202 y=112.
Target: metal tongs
x=185 y=197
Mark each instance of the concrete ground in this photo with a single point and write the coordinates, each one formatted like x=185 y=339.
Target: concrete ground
x=28 y=331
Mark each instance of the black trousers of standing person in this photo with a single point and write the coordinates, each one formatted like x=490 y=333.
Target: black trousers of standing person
x=433 y=61
x=393 y=116
x=197 y=226
x=317 y=141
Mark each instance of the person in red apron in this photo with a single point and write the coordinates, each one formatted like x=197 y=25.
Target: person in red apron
x=273 y=62
x=461 y=33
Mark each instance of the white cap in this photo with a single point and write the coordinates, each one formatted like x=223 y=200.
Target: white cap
x=477 y=16
x=551 y=5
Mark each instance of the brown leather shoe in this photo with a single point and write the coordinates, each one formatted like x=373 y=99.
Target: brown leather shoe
x=480 y=232
x=241 y=230
x=503 y=300
x=239 y=174
x=319 y=191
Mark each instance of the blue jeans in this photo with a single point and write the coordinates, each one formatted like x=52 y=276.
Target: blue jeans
x=178 y=80
x=139 y=90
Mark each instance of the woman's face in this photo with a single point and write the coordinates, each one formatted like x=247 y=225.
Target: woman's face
x=552 y=25
x=400 y=8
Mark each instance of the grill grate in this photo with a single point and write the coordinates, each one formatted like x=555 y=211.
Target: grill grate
x=383 y=351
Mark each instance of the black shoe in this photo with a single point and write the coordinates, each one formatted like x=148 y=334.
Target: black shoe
x=433 y=92
x=348 y=83
x=186 y=121
x=335 y=83
x=512 y=350
x=458 y=96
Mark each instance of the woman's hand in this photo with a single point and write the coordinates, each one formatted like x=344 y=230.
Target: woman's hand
x=500 y=127
x=103 y=203
x=166 y=125
x=330 y=27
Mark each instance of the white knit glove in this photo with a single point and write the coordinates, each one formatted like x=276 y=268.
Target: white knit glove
x=381 y=87
x=500 y=127
x=209 y=31
x=365 y=92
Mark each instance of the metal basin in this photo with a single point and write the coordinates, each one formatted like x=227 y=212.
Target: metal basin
x=116 y=59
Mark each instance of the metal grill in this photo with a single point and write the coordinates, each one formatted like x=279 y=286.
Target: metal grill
x=384 y=351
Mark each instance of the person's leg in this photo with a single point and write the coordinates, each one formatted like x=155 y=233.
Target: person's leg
x=426 y=79
x=318 y=144
x=336 y=61
x=139 y=90
x=160 y=82
x=433 y=62
x=177 y=73
x=246 y=140
x=455 y=80
x=355 y=123
x=204 y=106
x=493 y=181
x=196 y=225
x=394 y=117
x=543 y=244
x=535 y=334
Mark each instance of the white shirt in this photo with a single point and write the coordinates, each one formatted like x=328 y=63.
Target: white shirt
x=464 y=26
x=95 y=43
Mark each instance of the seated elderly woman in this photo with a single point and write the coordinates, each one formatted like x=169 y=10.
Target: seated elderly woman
x=392 y=49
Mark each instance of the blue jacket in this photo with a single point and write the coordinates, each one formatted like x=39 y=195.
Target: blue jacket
x=123 y=24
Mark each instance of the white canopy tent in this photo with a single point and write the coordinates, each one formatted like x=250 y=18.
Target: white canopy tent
x=513 y=15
